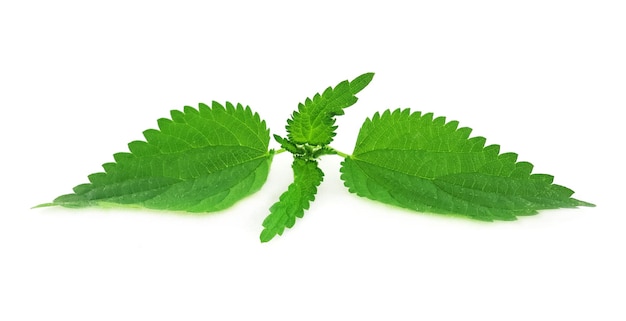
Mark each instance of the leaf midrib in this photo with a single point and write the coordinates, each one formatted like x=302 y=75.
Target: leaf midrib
x=178 y=181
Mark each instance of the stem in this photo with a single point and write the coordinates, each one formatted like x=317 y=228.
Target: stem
x=344 y=155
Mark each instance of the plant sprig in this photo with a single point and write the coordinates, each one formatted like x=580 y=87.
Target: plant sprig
x=207 y=158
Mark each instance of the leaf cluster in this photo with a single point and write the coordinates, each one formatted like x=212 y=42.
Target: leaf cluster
x=208 y=158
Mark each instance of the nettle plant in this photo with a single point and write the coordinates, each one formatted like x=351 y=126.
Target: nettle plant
x=206 y=159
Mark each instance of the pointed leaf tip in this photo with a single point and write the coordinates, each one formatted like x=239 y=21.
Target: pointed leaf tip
x=361 y=82
x=266 y=236
x=43 y=205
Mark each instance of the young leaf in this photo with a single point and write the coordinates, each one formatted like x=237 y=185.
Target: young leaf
x=200 y=160
x=314 y=121
x=307 y=177
x=422 y=163
x=289 y=146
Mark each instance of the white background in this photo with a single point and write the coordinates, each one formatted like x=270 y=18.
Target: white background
x=78 y=81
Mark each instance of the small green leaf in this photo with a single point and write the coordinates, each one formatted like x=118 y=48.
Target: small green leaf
x=415 y=161
x=314 y=122
x=289 y=146
x=200 y=160
x=292 y=203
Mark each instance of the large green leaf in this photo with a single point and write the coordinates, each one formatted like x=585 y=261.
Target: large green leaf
x=424 y=164
x=314 y=122
x=200 y=160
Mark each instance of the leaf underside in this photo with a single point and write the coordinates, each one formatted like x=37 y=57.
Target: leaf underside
x=314 y=122
x=200 y=160
x=415 y=161
x=293 y=202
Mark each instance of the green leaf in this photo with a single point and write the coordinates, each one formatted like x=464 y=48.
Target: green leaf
x=287 y=145
x=292 y=203
x=314 y=121
x=426 y=164
x=200 y=160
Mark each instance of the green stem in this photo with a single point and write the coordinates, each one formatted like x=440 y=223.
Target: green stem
x=344 y=155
